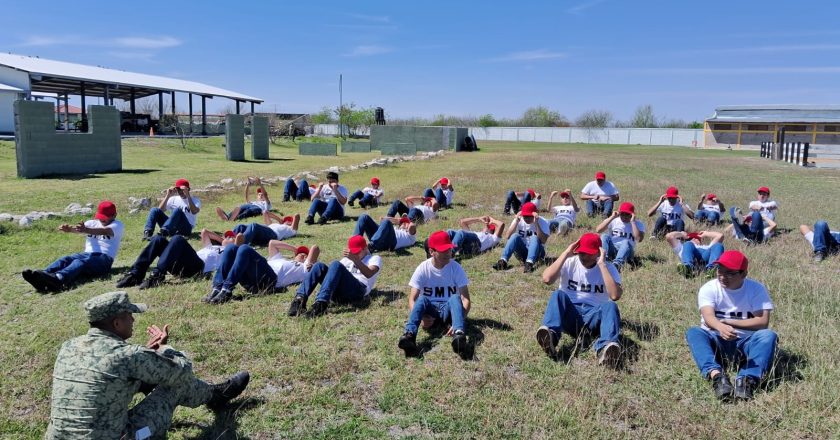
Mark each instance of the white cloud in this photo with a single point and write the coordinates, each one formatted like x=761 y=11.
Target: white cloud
x=529 y=55
x=736 y=70
x=580 y=7
x=147 y=43
x=373 y=18
x=368 y=50
x=119 y=42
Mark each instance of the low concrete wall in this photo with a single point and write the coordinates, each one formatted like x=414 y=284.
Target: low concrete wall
x=355 y=147
x=316 y=149
x=259 y=137
x=398 y=149
x=41 y=151
x=424 y=138
x=235 y=137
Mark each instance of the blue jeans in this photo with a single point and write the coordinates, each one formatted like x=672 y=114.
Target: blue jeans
x=255 y=234
x=337 y=283
x=555 y=224
x=294 y=192
x=247 y=210
x=176 y=223
x=662 y=224
x=618 y=254
x=451 y=311
x=562 y=315
x=753 y=231
x=400 y=208
x=331 y=210
x=692 y=255
x=824 y=240
x=712 y=217
x=176 y=257
x=466 y=242
x=526 y=249
x=89 y=264
x=513 y=203
x=604 y=207
x=437 y=194
x=365 y=200
x=759 y=349
x=243 y=265
x=382 y=236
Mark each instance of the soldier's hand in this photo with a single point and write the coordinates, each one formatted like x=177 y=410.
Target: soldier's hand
x=157 y=336
x=65 y=228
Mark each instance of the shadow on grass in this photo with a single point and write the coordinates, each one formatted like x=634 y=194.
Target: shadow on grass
x=385 y=297
x=787 y=367
x=474 y=333
x=646 y=331
x=583 y=343
x=98 y=175
x=225 y=423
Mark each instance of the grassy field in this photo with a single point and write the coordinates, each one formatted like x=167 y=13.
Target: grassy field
x=342 y=376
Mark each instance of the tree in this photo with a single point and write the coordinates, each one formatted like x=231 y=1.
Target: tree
x=322 y=117
x=594 y=119
x=487 y=121
x=356 y=120
x=644 y=117
x=541 y=116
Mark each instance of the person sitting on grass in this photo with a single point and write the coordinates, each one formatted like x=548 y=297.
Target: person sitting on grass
x=468 y=243
x=823 y=240
x=103 y=235
x=671 y=213
x=442 y=190
x=347 y=280
x=392 y=234
x=439 y=291
x=182 y=208
x=273 y=228
x=694 y=255
x=526 y=239
x=709 y=209
x=584 y=300
x=599 y=194
x=241 y=264
x=752 y=228
x=515 y=200
x=251 y=208
x=328 y=201
x=369 y=197
x=734 y=323
x=418 y=209
x=176 y=257
x=565 y=214
x=298 y=191
x=621 y=232
x=768 y=207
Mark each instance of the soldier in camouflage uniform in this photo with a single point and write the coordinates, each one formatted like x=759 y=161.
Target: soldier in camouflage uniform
x=96 y=376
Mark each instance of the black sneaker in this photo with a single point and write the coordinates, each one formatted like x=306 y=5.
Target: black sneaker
x=212 y=294
x=548 y=341
x=501 y=265
x=130 y=279
x=459 y=343
x=298 y=306
x=819 y=257
x=147 y=235
x=722 y=386
x=318 y=309
x=30 y=277
x=528 y=267
x=309 y=220
x=50 y=282
x=351 y=203
x=156 y=279
x=163 y=232
x=322 y=221
x=744 y=387
x=552 y=227
x=408 y=343
x=222 y=297
x=228 y=390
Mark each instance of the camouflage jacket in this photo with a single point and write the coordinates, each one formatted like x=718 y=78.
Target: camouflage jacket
x=95 y=378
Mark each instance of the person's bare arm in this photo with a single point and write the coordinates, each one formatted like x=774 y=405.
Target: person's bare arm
x=574 y=202
x=727 y=332
x=270 y=217
x=551 y=200
x=412 y=297
x=275 y=246
x=637 y=234
x=653 y=208
x=466 y=222
x=500 y=226
x=80 y=228
x=759 y=321
x=714 y=236
x=169 y=192
x=700 y=203
x=550 y=274
x=673 y=238
x=338 y=195
x=312 y=258
x=513 y=226
x=264 y=192
x=367 y=271
x=414 y=200
x=614 y=290
x=193 y=209
x=541 y=235
x=606 y=222
x=207 y=236
x=247 y=190
x=465 y=299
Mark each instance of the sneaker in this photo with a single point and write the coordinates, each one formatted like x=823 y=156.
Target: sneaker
x=322 y=221
x=309 y=220
x=744 y=387
x=351 y=203
x=528 y=267
x=819 y=257
x=147 y=235
x=156 y=279
x=164 y=232
x=298 y=306
x=548 y=341
x=228 y=390
x=222 y=297
x=30 y=277
x=501 y=265
x=685 y=270
x=130 y=279
x=552 y=227
x=722 y=386
x=610 y=354
x=408 y=343
x=459 y=342
x=212 y=294
x=48 y=281
x=318 y=309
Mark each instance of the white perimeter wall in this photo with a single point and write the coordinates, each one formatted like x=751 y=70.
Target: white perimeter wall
x=14 y=78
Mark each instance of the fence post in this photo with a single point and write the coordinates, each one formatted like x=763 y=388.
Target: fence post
x=798 y=153
x=805 y=155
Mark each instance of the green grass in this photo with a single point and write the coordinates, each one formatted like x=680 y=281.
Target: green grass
x=342 y=376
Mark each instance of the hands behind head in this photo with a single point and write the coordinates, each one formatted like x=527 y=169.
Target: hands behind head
x=602 y=256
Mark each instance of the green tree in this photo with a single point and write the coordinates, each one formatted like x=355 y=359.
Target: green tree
x=644 y=117
x=594 y=119
x=322 y=117
x=487 y=121
x=541 y=116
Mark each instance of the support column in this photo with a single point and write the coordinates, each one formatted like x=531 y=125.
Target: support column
x=160 y=106
x=106 y=97
x=252 y=108
x=172 y=96
x=191 y=113
x=204 y=115
x=66 y=112
x=84 y=127
x=237 y=106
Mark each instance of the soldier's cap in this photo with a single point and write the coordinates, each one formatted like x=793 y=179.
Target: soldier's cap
x=111 y=304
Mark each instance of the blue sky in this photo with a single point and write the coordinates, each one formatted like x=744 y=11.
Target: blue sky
x=459 y=57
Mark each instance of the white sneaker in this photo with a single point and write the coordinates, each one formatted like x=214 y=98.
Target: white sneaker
x=610 y=354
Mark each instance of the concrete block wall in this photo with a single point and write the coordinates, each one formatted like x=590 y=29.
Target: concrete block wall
x=259 y=137
x=42 y=151
x=355 y=147
x=317 y=149
x=398 y=149
x=235 y=137
x=424 y=138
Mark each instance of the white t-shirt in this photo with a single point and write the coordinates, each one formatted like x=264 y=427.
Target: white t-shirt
x=585 y=286
x=288 y=271
x=404 y=239
x=176 y=202
x=711 y=207
x=671 y=212
x=103 y=243
x=537 y=202
x=621 y=231
x=564 y=212
x=593 y=189
x=327 y=193
x=766 y=208
x=211 y=256
x=526 y=231
x=809 y=236
x=678 y=248
x=487 y=239
x=262 y=204
x=369 y=260
x=282 y=230
x=734 y=304
x=439 y=284
x=428 y=212
x=375 y=193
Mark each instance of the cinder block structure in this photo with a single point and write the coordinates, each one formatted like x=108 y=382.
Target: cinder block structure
x=317 y=149
x=259 y=138
x=235 y=137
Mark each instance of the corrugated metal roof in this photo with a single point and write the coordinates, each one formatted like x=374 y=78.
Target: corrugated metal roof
x=80 y=72
x=765 y=107
x=774 y=120
x=778 y=113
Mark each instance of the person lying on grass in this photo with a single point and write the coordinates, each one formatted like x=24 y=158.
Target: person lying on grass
x=710 y=209
x=753 y=228
x=391 y=234
x=599 y=195
x=515 y=200
x=251 y=208
x=695 y=256
x=443 y=191
x=418 y=209
x=822 y=239
x=468 y=243
x=273 y=228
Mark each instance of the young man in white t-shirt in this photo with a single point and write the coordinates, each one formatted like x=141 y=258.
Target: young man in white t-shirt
x=768 y=207
x=392 y=234
x=439 y=291
x=182 y=208
x=751 y=228
x=369 y=197
x=251 y=208
x=734 y=320
x=621 y=232
x=526 y=239
x=328 y=201
x=565 y=214
x=671 y=211
x=468 y=243
x=710 y=209
x=442 y=190
x=103 y=235
x=822 y=239
x=273 y=228
x=585 y=299
x=347 y=280
x=515 y=200
x=693 y=254
x=418 y=209
x=599 y=194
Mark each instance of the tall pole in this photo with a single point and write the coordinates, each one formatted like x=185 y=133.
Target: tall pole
x=340 y=107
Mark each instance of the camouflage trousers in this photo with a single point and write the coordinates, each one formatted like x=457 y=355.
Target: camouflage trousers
x=156 y=410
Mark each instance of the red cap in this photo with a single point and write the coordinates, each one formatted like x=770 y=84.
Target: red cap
x=672 y=192
x=692 y=236
x=259 y=190
x=405 y=219
x=764 y=189
x=444 y=181
x=600 y=175
x=531 y=192
x=710 y=196
x=491 y=227
x=528 y=209
x=356 y=244
x=733 y=260
x=182 y=182
x=288 y=219
x=564 y=194
x=302 y=250
x=440 y=241
x=590 y=243
x=229 y=234
x=627 y=208
x=428 y=199
x=106 y=210
x=374 y=181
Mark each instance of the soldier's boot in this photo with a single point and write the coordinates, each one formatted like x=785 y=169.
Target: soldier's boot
x=228 y=390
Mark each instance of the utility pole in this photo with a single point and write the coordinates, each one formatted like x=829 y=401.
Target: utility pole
x=340 y=107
